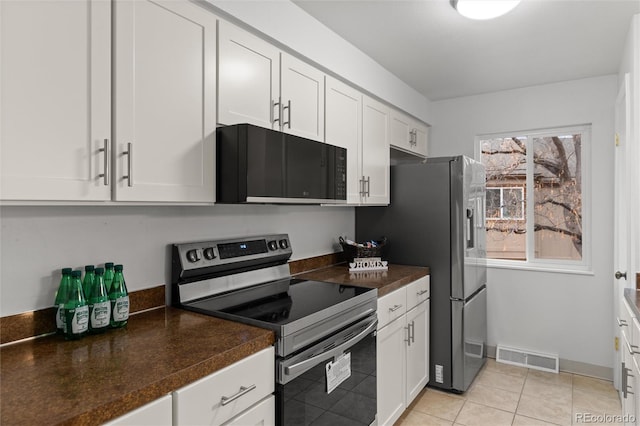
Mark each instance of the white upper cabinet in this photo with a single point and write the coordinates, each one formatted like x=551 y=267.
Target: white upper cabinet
x=343 y=128
x=375 y=152
x=302 y=98
x=248 y=78
x=408 y=134
x=165 y=88
x=258 y=84
x=55 y=91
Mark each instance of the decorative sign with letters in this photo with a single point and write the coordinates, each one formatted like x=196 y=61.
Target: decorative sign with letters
x=368 y=264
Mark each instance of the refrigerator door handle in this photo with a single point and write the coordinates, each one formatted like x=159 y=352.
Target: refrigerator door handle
x=470 y=229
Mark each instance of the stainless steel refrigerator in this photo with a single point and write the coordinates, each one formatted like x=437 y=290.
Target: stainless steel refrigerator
x=436 y=219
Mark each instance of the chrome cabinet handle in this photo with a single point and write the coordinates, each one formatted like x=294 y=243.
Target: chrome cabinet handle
x=105 y=175
x=622 y=323
x=395 y=308
x=243 y=391
x=413 y=331
x=362 y=183
x=631 y=348
x=421 y=292
x=368 y=186
x=129 y=154
x=275 y=104
x=408 y=339
x=288 y=108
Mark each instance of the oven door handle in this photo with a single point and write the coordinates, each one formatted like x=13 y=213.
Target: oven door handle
x=331 y=353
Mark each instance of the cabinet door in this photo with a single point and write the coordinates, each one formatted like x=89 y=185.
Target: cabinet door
x=628 y=374
x=375 y=151
x=302 y=97
x=165 y=53
x=391 y=371
x=400 y=130
x=417 y=350
x=156 y=413
x=421 y=139
x=343 y=127
x=248 y=79
x=55 y=85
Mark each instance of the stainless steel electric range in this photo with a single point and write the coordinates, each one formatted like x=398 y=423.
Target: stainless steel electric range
x=325 y=364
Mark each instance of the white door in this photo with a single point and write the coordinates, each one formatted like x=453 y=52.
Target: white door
x=391 y=371
x=165 y=82
x=421 y=139
x=375 y=151
x=343 y=127
x=248 y=79
x=621 y=232
x=55 y=73
x=401 y=127
x=417 y=350
x=302 y=97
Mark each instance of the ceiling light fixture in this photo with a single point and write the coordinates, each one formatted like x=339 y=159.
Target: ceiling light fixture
x=483 y=9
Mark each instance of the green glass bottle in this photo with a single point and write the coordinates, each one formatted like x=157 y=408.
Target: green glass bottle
x=119 y=298
x=61 y=298
x=99 y=304
x=88 y=280
x=108 y=275
x=75 y=309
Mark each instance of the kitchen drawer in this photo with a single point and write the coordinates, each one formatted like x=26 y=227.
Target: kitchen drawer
x=625 y=321
x=417 y=291
x=201 y=402
x=392 y=306
x=263 y=414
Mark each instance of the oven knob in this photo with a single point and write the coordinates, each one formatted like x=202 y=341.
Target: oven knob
x=273 y=245
x=208 y=253
x=193 y=255
x=284 y=244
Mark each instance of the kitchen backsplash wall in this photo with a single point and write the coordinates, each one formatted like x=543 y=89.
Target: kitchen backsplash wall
x=36 y=241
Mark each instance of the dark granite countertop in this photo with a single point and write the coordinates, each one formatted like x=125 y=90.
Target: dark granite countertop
x=385 y=281
x=52 y=381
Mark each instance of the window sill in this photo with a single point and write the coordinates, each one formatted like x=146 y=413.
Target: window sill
x=556 y=269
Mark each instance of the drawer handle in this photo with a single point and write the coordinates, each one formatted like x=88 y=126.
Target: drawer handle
x=421 y=292
x=632 y=348
x=622 y=323
x=243 y=390
x=395 y=308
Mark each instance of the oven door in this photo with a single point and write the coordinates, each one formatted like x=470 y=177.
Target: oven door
x=308 y=389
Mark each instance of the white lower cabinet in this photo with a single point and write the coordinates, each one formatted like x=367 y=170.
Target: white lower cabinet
x=156 y=413
x=235 y=390
x=403 y=348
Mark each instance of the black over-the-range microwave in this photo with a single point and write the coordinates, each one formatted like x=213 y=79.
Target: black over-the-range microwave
x=258 y=165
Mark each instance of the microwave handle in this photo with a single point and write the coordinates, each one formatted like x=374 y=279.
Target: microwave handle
x=294 y=369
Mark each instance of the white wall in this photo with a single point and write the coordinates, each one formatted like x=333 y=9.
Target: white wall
x=35 y=242
x=566 y=314
x=296 y=29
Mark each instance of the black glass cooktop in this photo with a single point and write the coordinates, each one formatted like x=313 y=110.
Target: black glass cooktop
x=281 y=302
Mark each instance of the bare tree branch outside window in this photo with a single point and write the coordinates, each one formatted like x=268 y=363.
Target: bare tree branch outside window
x=557 y=194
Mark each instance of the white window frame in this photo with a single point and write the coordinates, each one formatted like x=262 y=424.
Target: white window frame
x=583 y=266
x=502 y=206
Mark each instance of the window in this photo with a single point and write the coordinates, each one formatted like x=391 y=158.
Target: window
x=504 y=203
x=535 y=196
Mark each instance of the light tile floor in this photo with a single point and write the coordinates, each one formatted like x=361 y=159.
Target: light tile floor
x=507 y=395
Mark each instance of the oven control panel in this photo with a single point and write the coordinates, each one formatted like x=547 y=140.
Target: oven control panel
x=224 y=254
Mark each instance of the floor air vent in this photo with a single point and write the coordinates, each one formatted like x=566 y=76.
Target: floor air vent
x=526 y=358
